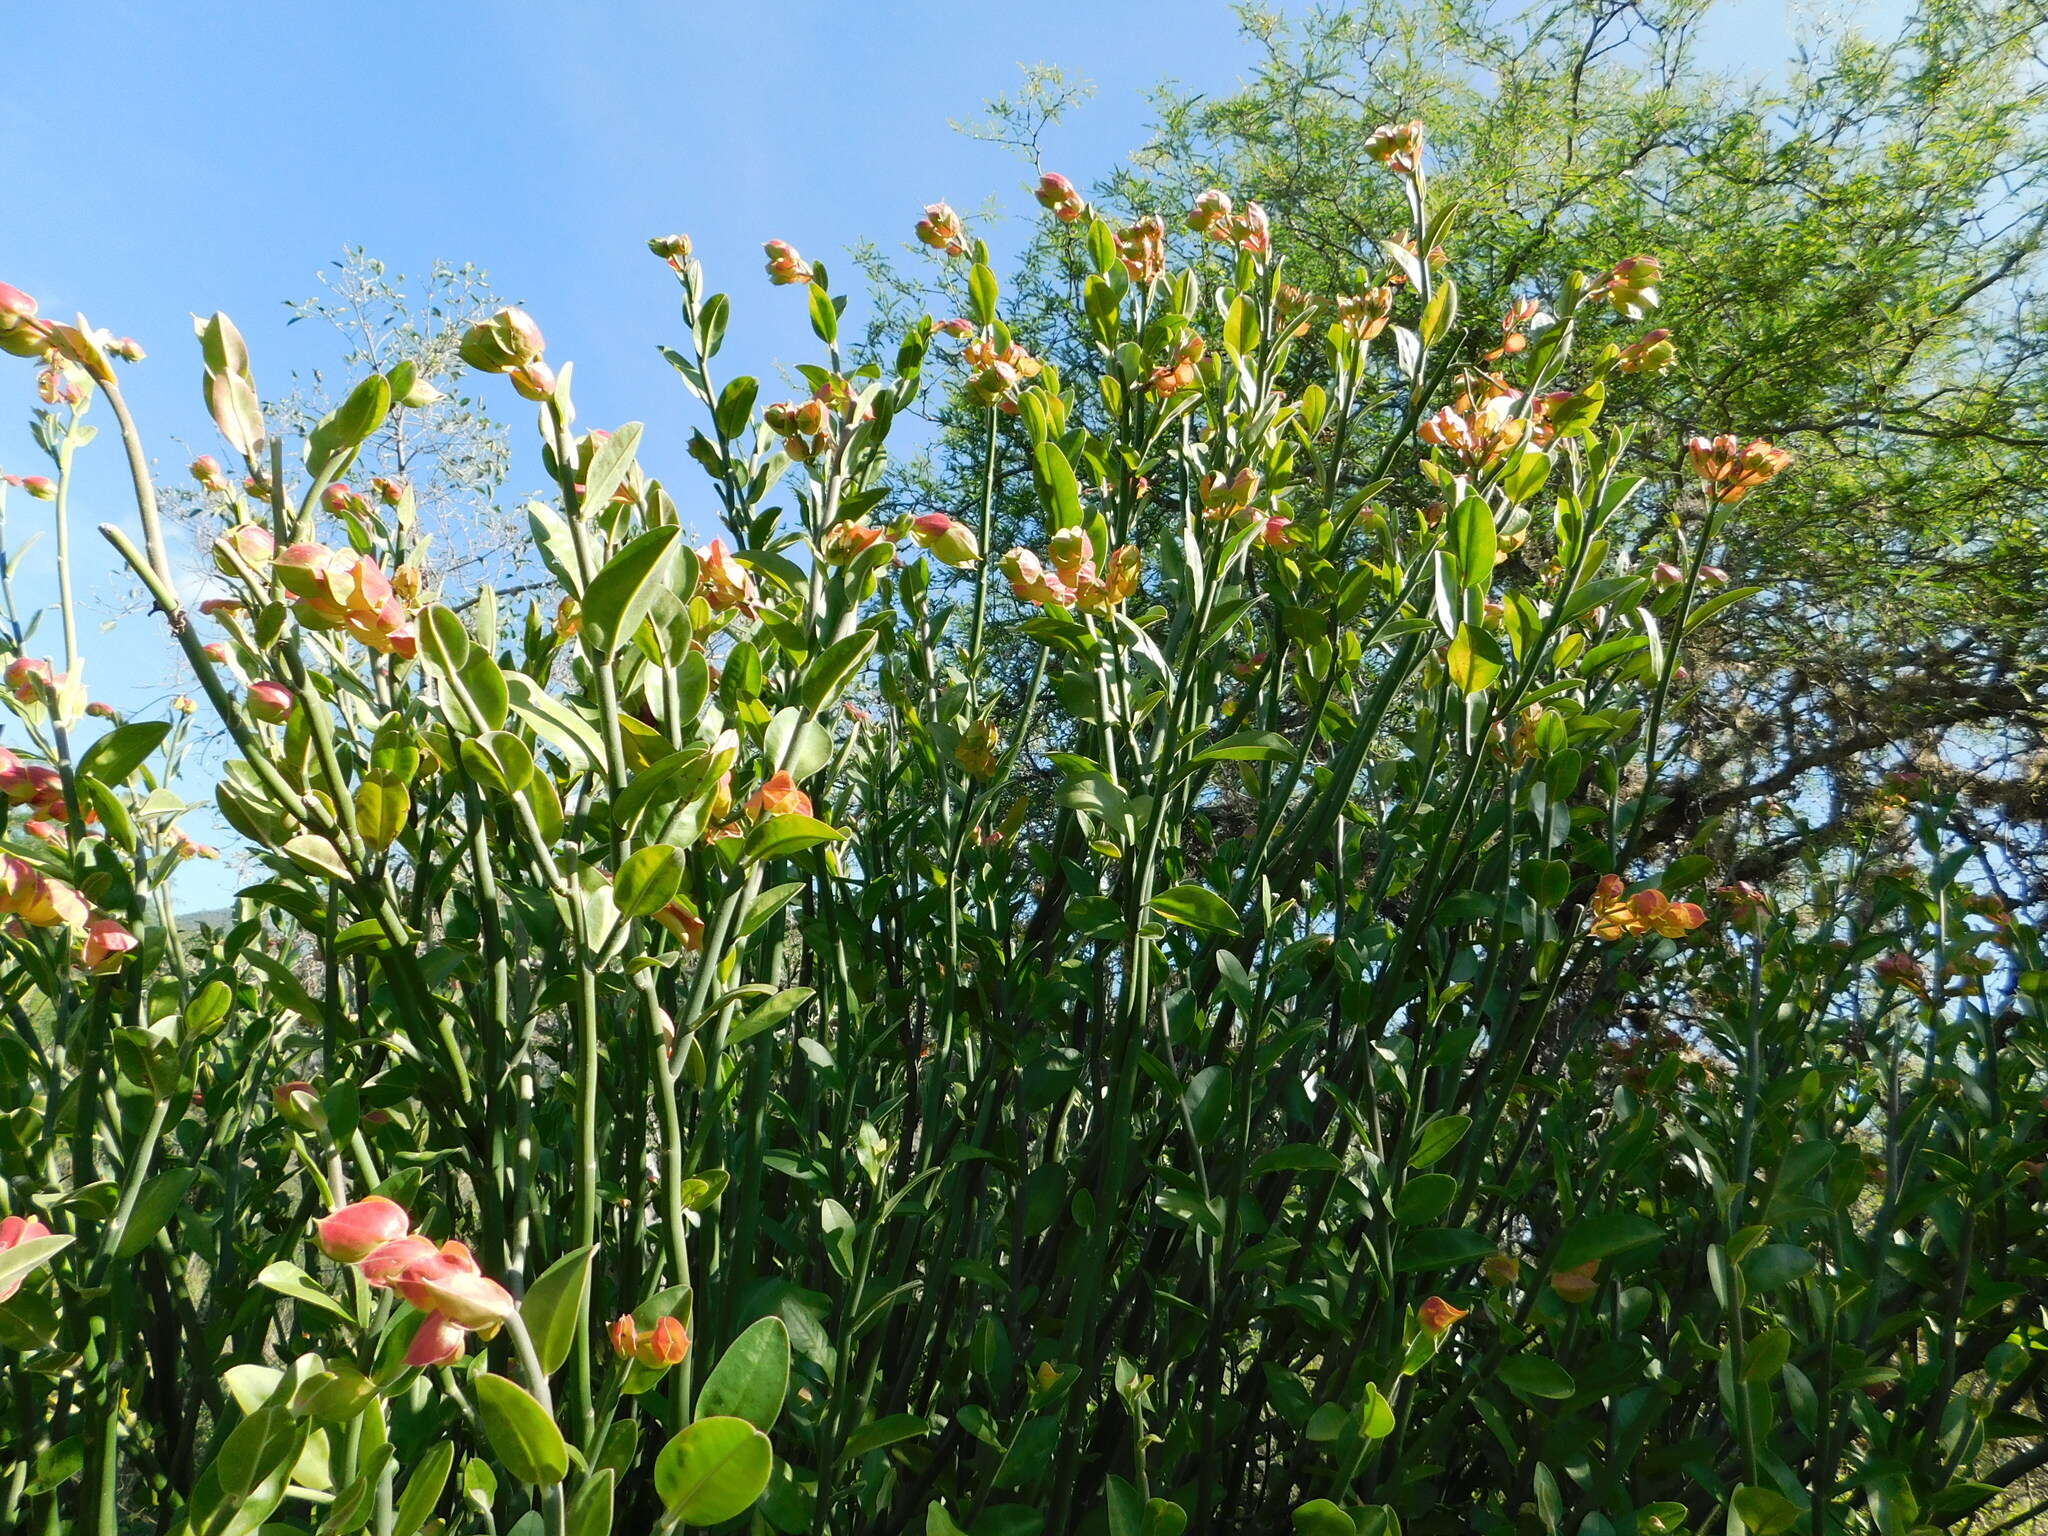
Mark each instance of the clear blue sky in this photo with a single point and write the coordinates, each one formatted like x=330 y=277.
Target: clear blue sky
x=223 y=152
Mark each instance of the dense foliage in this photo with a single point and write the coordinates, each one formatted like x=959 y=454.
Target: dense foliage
x=1855 y=249
x=709 y=1050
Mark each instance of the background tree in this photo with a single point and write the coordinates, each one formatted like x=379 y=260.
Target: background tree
x=1853 y=264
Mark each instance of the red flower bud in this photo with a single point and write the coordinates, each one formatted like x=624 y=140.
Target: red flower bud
x=356 y=1231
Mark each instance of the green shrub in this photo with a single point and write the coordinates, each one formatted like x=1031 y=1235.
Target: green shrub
x=721 y=1047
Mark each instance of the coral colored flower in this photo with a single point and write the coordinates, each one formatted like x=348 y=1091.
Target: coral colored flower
x=28 y=678
x=1365 y=315
x=785 y=266
x=273 y=702
x=389 y=1260
x=1058 y=197
x=1211 y=215
x=941 y=229
x=14 y=1231
x=663 y=1345
x=107 y=944
x=1653 y=354
x=451 y=1284
x=1501 y=1269
x=950 y=541
x=50 y=903
x=844 y=542
x=1223 y=497
x=1142 y=249
x=1631 y=288
x=1031 y=582
x=1577 y=1284
x=1397 y=146
x=1733 y=469
x=684 y=923
x=1184 y=371
x=722 y=580
x=438 y=1342
x=1664 y=575
x=1439 y=1316
x=358 y=1230
x=779 y=797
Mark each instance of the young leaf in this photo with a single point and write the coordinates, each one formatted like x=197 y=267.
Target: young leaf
x=522 y=1436
x=751 y=1378
x=553 y=1307
x=713 y=1471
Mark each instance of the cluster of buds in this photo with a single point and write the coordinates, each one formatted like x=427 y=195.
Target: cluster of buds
x=998 y=371
x=1618 y=915
x=1184 y=372
x=1899 y=969
x=340 y=589
x=847 y=541
x=1072 y=579
x=41 y=487
x=1523 y=316
x=948 y=540
x=375 y=1235
x=663 y=1345
x=1364 y=315
x=211 y=478
x=510 y=343
x=1142 y=249
x=1733 y=469
x=1653 y=353
x=1214 y=218
x=1479 y=433
x=29 y=679
x=941 y=229
x=805 y=426
x=1631 y=288
x=722 y=581
x=673 y=249
x=1397 y=146
x=35 y=785
x=31 y=899
x=1229 y=495
x=62 y=383
x=1059 y=197
x=785 y=266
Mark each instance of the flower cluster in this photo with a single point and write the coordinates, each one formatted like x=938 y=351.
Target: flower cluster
x=998 y=370
x=375 y=1235
x=663 y=1345
x=31 y=899
x=1058 y=197
x=1072 y=580
x=1142 y=249
x=1397 y=146
x=722 y=581
x=340 y=589
x=1215 y=218
x=1365 y=315
x=510 y=343
x=1732 y=469
x=941 y=229
x=1184 y=371
x=1618 y=915
x=1631 y=288
x=785 y=266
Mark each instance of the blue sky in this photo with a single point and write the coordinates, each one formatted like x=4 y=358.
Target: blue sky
x=231 y=149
